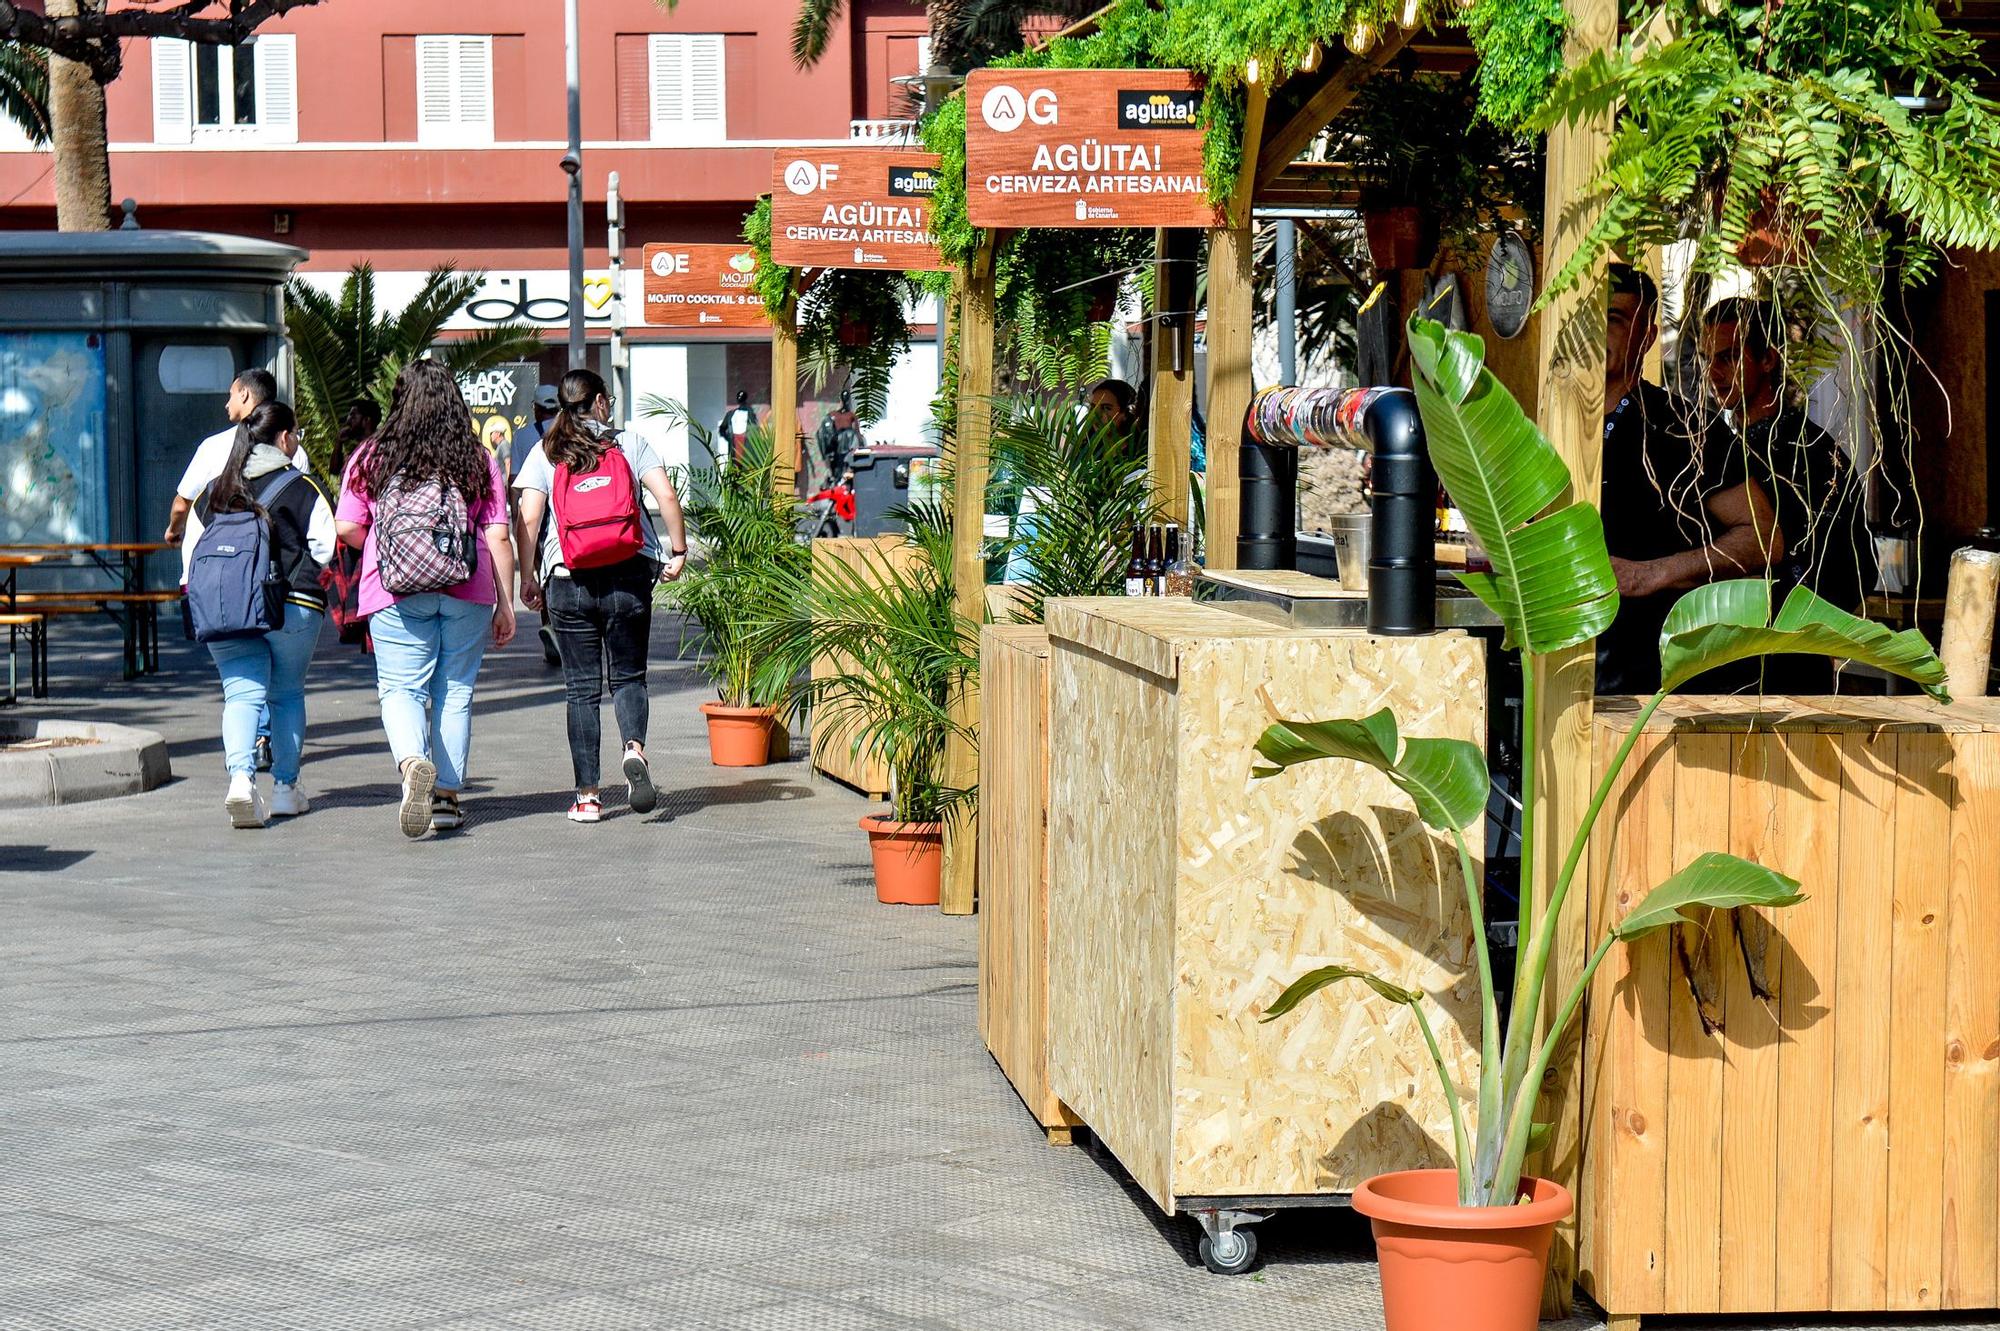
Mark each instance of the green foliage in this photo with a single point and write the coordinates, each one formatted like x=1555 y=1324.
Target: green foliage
x=1729 y=621
x=1485 y=453
x=748 y=555
x=1091 y=492
x=894 y=625
x=24 y=89
x=345 y=349
x=847 y=319
x=1551 y=583
x=1520 y=44
x=1771 y=135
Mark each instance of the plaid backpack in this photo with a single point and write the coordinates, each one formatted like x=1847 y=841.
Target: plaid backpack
x=423 y=537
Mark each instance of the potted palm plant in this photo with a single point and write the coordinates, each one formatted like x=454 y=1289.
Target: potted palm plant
x=747 y=557
x=907 y=655
x=1468 y=1247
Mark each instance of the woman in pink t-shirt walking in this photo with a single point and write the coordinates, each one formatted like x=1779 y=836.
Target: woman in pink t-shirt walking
x=422 y=468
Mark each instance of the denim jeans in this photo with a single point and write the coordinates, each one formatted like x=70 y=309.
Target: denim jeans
x=427 y=653
x=266 y=675
x=603 y=620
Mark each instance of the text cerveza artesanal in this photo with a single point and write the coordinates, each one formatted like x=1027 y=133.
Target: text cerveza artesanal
x=867 y=224
x=1091 y=167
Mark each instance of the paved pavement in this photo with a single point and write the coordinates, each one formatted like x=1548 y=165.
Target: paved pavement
x=676 y=1072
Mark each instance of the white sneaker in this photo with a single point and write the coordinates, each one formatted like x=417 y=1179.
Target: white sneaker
x=414 y=815
x=243 y=803
x=288 y=801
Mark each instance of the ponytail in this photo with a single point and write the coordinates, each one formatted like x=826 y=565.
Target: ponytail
x=264 y=425
x=568 y=443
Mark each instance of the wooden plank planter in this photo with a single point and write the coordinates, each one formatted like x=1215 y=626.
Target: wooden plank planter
x=1183 y=895
x=832 y=748
x=1835 y=1145
x=1014 y=1015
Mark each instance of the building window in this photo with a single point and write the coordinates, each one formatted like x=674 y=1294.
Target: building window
x=226 y=94
x=455 y=90
x=688 y=101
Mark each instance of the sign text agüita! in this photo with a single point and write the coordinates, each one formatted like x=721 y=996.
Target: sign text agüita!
x=1085 y=148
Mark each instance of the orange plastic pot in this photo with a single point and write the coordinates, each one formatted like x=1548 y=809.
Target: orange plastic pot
x=739 y=736
x=1447 y=1267
x=909 y=860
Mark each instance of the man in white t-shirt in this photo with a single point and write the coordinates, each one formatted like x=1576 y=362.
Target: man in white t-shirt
x=251 y=390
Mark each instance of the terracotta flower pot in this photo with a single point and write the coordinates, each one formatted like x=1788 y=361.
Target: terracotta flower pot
x=1399 y=237
x=1447 y=1267
x=909 y=860
x=739 y=736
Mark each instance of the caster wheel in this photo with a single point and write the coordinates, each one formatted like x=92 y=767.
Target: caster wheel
x=1229 y=1254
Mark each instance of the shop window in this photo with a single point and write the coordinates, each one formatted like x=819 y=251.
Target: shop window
x=454 y=90
x=688 y=101
x=226 y=94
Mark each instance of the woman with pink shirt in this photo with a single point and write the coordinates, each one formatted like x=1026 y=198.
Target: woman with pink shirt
x=427 y=508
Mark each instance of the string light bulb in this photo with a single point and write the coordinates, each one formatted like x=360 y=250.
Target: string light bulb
x=1251 y=71
x=1409 y=15
x=1310 y=60
x=1361 y=38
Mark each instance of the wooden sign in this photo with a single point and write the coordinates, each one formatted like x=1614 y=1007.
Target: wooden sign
x=1084 y=148
x=701 y=286
x=854 y=208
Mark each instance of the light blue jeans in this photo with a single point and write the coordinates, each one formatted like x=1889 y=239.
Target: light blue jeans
x=267 y=671
x=427 y=653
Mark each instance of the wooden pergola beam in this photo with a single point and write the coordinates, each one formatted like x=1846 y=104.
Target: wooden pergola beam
x=1282 y=146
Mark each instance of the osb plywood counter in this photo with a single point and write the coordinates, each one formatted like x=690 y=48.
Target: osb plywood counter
x=1183 y=896
x=1799 y=1110
x=1014 y=864
x=833 y=750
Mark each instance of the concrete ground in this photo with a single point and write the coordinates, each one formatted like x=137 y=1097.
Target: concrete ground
x=677 y=1071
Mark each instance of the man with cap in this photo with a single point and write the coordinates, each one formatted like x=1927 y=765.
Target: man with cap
x=547 y=404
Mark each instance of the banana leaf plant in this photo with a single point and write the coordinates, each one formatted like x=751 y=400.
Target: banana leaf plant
x=1552 y=588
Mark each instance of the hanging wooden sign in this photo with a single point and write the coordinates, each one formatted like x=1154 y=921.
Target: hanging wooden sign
x=1085 y=148
x=854 y=208
x=701 y=286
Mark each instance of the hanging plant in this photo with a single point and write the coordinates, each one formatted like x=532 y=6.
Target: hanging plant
x=1773 y=135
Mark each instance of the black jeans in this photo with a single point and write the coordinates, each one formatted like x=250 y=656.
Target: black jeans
x=603 y=619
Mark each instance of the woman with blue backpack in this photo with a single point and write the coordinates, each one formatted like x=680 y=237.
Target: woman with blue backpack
x=262 y=532
x=595 y=561
x=426 y=505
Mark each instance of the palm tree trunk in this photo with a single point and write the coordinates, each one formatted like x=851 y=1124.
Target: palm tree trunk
x=76 y=125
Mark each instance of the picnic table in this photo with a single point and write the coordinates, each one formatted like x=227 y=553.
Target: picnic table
x=10 y=568
x=127 y=603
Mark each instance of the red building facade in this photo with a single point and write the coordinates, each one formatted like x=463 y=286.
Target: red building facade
x=408 y=133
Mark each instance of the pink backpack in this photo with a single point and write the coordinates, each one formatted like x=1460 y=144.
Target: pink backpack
x=597 y=513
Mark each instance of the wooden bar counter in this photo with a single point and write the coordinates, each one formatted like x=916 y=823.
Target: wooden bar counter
x=1798 y=1110
x=1183 y=895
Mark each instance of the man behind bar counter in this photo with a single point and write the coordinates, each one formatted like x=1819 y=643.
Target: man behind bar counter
x=1679 y=510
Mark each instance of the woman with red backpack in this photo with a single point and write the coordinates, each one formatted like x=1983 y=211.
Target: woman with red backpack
x=596 y=561
x=426 y=505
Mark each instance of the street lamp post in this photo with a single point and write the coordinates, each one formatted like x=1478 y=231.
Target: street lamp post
x=572 y=165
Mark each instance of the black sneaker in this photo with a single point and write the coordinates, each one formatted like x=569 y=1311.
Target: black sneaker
x=639 y=789
x=263 y=753
x=549 y=652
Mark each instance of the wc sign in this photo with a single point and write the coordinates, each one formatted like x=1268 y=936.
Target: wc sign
x=862 y=207
x=1085 y=148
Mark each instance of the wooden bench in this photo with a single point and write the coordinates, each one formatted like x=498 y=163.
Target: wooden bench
x=137 y=613
x=38 y=654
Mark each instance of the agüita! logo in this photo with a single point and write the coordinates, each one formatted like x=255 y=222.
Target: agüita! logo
x=912 y=182
x=1148 y=109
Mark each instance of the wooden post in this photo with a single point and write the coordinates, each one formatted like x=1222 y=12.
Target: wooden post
x=1967 y=646
x=968 y=513
x=1170 y=405
x=1230 y=306
x=785 y=396
x=1571 y=403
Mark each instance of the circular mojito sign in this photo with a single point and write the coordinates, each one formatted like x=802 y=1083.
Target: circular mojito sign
x=1510 y=284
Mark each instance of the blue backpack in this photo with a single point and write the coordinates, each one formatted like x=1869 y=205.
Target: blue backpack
x=234 y=589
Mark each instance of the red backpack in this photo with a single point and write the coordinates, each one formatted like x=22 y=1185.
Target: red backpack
x=597 y=513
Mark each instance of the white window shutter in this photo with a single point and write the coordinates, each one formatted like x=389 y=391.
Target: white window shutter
x=475 y=86
x=689 y=101
x=278 y=88
x=173 y=91
x=436 y=105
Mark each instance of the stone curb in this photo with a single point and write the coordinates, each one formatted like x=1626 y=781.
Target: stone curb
x=124 y=761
